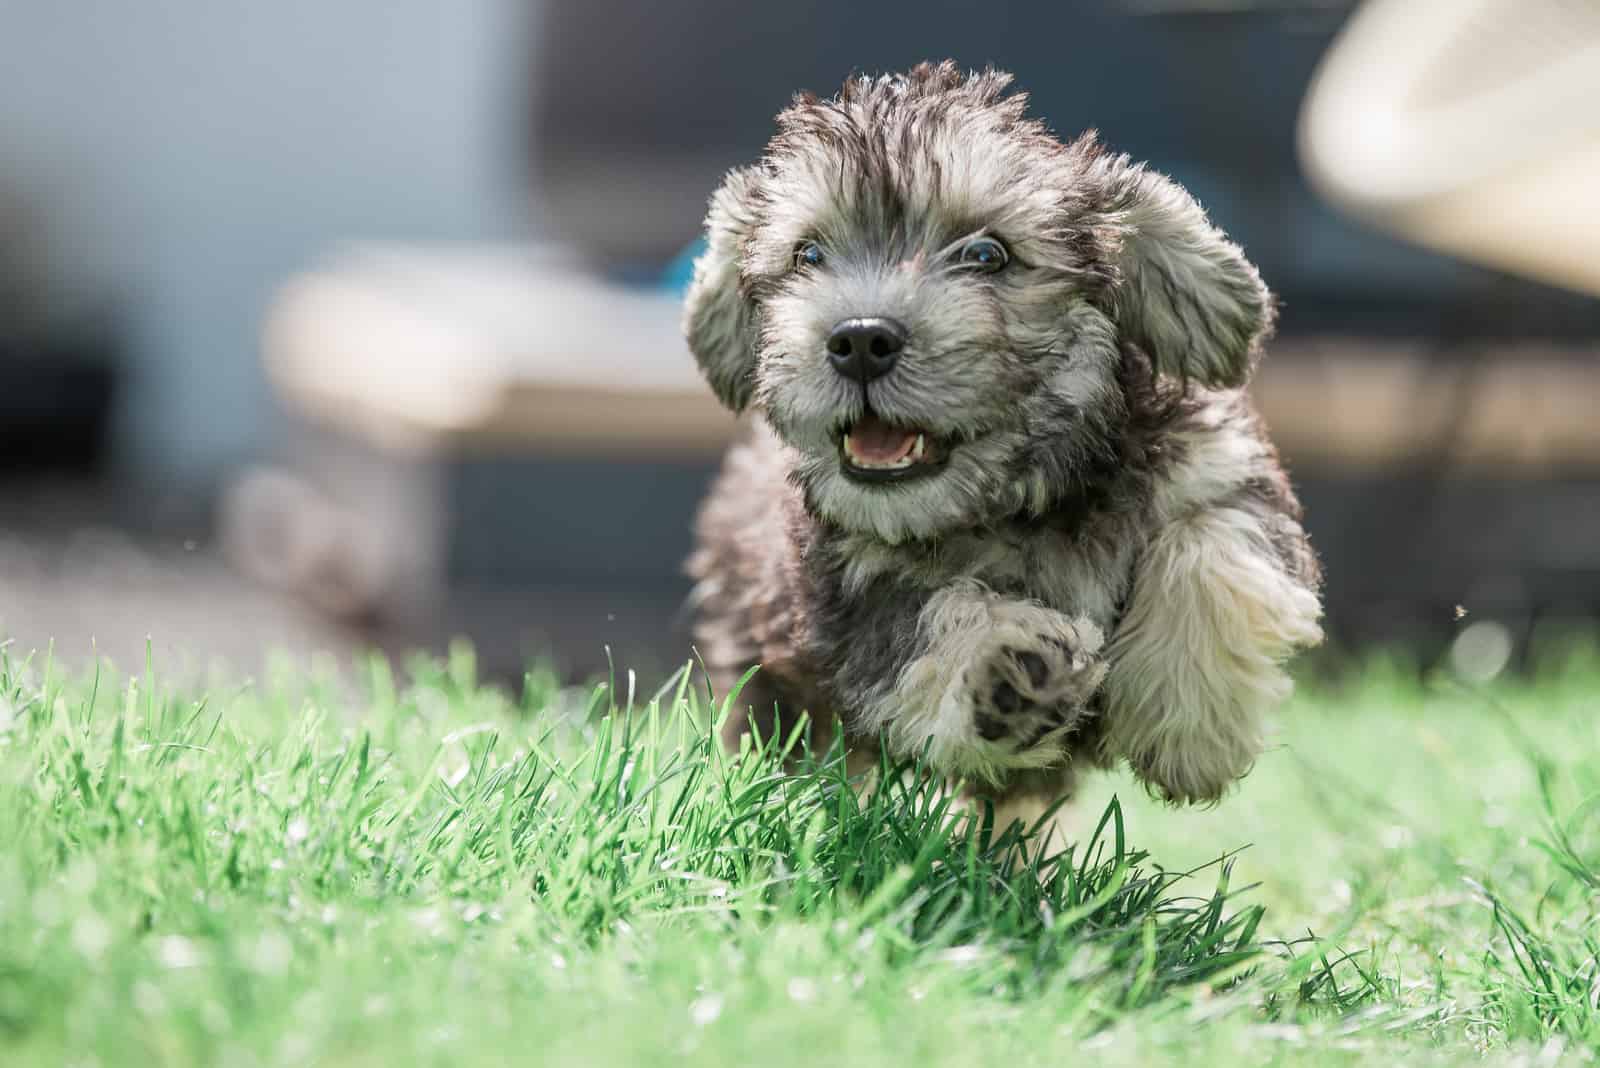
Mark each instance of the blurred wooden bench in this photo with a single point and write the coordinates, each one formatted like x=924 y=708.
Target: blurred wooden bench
x=487 y=441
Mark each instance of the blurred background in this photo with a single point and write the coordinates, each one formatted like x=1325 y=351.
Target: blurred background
x=326 y=326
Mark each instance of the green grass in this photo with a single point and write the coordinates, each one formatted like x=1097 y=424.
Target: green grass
x=423 y=870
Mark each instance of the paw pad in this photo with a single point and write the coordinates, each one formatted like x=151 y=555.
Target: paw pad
x=1033 y=664
x=1030 y=685
x=1005 y=697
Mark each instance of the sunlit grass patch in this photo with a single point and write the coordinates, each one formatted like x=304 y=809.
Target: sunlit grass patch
x=418 y=868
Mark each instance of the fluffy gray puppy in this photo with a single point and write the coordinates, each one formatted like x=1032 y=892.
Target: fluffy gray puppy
x=1004 y=501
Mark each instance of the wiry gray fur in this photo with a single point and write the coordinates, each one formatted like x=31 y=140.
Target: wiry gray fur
x=1100 y=456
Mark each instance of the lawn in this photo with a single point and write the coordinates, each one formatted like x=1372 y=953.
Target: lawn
x=407 y=867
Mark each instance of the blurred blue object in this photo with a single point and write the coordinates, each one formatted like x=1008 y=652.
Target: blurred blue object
x=678 y=274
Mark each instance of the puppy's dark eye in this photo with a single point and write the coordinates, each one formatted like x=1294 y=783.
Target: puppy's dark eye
x=983 y=254
x=808 y=254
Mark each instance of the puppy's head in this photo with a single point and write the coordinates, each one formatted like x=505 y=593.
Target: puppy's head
x=928 y=296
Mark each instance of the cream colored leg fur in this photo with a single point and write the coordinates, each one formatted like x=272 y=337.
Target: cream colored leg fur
x=971 y=632
x=1197 y=660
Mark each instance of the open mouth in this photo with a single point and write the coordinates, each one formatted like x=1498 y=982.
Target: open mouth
x=872 y=450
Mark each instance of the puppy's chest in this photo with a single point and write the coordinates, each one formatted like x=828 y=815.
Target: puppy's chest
x=1077 y=576
x=1083 y=573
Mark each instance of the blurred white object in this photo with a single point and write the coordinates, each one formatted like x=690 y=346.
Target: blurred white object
x=437 y=347
x=1470 y=126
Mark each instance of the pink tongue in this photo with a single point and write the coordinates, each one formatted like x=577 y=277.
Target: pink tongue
x=874 y=440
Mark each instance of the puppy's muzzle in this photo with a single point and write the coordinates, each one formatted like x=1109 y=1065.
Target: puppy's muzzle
x=865 y=349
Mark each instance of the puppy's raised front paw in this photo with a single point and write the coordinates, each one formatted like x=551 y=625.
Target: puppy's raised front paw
x=1033 y=676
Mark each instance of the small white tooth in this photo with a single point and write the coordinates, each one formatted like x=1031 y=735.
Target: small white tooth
x=916 y=450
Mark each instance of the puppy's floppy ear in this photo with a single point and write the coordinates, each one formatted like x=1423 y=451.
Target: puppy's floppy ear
x=718 y=319
x=1186 y=295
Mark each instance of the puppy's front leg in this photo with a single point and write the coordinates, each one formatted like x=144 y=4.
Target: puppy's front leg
x=995 y=682
x=1221 y=597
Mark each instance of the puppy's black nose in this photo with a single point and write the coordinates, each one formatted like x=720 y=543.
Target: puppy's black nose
x=864 y=349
